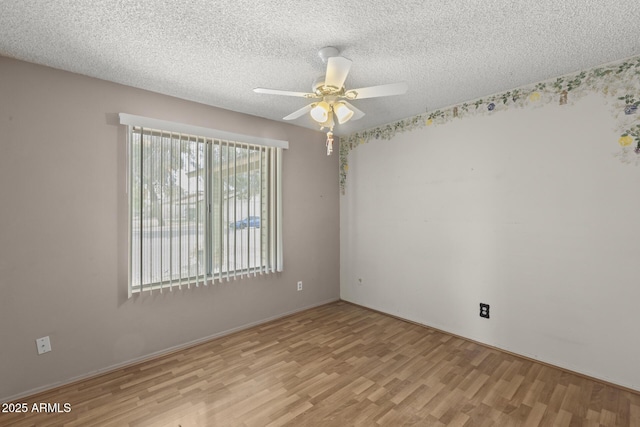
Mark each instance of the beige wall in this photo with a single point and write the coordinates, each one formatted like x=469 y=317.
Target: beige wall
x=533 y=210
x=63 y=231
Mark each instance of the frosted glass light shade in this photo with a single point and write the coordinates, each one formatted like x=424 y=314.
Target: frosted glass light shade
x=320 y=113
x=343 y=113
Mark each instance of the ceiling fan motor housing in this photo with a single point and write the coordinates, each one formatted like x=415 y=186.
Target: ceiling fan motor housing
x=320 y=89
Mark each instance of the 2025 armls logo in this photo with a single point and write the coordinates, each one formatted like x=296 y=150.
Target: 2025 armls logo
x=43 y=407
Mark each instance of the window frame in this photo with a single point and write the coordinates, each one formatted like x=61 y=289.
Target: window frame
x=270 y=148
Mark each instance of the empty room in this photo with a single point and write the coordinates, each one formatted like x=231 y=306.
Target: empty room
x=297 y=213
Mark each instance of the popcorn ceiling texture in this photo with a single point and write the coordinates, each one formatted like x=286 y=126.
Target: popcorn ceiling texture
x=216 y=52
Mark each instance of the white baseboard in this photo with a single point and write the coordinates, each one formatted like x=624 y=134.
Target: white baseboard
x=504 y=348
x=157 y=354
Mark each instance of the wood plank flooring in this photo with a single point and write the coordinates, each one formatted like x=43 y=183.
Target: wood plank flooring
x=337 y=365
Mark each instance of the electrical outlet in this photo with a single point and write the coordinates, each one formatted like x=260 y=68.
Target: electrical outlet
x=44 y=345
x=300 y=285
x=484 y=310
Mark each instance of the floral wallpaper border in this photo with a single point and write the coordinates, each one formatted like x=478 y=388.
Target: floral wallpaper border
x=619 y=80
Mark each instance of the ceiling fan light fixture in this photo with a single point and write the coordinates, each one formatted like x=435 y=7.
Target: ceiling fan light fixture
x=332 y=105
x=320 y=112
x=343 y=113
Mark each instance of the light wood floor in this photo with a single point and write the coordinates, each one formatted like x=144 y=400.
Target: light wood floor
x=338 y=365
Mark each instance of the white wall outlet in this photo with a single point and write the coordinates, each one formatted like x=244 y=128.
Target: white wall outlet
x=300 y=285
x=44 y=345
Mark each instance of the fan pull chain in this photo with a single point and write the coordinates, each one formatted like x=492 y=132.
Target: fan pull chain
x=329 y=143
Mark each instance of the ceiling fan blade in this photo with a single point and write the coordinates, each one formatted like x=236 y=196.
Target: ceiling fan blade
x=285 y=92
x=376 y=91
x=298 y=113
x=357 y=114
x=337 y=69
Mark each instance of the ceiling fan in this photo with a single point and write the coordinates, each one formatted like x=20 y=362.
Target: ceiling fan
x=331 y=99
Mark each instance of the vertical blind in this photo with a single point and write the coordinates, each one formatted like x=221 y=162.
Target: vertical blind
x=201 y=210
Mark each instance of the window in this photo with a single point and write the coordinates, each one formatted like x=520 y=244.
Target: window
x=201 y=208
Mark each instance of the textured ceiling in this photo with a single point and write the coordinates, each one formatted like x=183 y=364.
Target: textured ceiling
x=216 y=52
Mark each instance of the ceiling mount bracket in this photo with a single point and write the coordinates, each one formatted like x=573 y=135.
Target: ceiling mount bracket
x=328 y=52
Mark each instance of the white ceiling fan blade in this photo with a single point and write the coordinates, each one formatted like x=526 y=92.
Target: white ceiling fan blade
x=337 y=69
x=298 y=113
x=357 y=114
x=376 y=91
x=284 y=92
